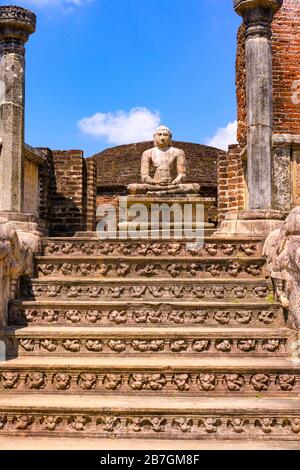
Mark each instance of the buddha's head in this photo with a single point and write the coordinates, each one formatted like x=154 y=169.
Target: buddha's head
x=162 y=137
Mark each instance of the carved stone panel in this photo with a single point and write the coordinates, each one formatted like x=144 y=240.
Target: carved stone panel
x=296 y=177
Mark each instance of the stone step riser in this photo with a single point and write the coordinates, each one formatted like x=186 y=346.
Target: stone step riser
x=147 y=315
x=211 y=248
x=223 y=345
x=123 y=294
x=237 y=291
x=202 y=383
x=48 y=268
x=185 y=425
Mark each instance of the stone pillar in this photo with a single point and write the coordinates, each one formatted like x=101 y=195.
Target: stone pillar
x=258 y=16
x=16 y=24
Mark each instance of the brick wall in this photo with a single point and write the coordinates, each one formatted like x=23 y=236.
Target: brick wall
x=91 y=193
x=231 y=182
x=286 y=68
x=68 y=192
x=45 y=172
x=120 y=166
x=112 y=199
x=286 y=72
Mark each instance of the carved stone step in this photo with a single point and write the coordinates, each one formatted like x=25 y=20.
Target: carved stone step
x=77 y=313
x=218 y=289
x=138 y=340
x=151 y=417
x=151 y=267
x=179 y=376
x=212 y=247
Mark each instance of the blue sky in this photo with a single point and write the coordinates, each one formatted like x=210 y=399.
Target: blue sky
x=105 y=72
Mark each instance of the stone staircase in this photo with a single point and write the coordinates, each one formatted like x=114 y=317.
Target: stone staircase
x=158 y=340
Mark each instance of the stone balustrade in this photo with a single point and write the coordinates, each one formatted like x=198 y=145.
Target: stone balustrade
x=282 y=248
x=18 y=243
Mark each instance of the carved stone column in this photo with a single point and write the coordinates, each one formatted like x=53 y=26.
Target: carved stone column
x=16 y=24
x=258 y=16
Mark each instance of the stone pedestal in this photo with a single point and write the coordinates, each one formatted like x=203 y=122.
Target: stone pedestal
x=16 y=24
x=257 y=16
x=156 y=203
x=259 y=223
x=166 y=216
x=160 y=217
x=182 y=200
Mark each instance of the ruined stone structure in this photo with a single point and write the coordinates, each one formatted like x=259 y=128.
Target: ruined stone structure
x=278 y=103
x=161 y=339
x=67 y=195
x=114 y=174
x=282 y=248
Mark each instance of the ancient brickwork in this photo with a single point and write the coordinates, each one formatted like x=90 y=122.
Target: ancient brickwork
x=112 y=199
x=91 y=191
x=154 y=338
x=120 y=166
x=286 y=68
x=67 y=192
x=232 y=187
x=223 y=197
x=286 y=73
x=45 y=173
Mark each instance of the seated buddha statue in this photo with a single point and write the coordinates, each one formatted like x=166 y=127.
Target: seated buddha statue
x=169 y=164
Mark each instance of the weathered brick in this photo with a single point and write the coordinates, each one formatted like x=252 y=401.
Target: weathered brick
x=286 y=73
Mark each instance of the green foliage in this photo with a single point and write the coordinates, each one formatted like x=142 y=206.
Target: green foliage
x=271 y=299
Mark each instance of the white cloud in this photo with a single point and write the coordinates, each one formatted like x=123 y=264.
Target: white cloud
x=121 y=127
x=224 y=136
